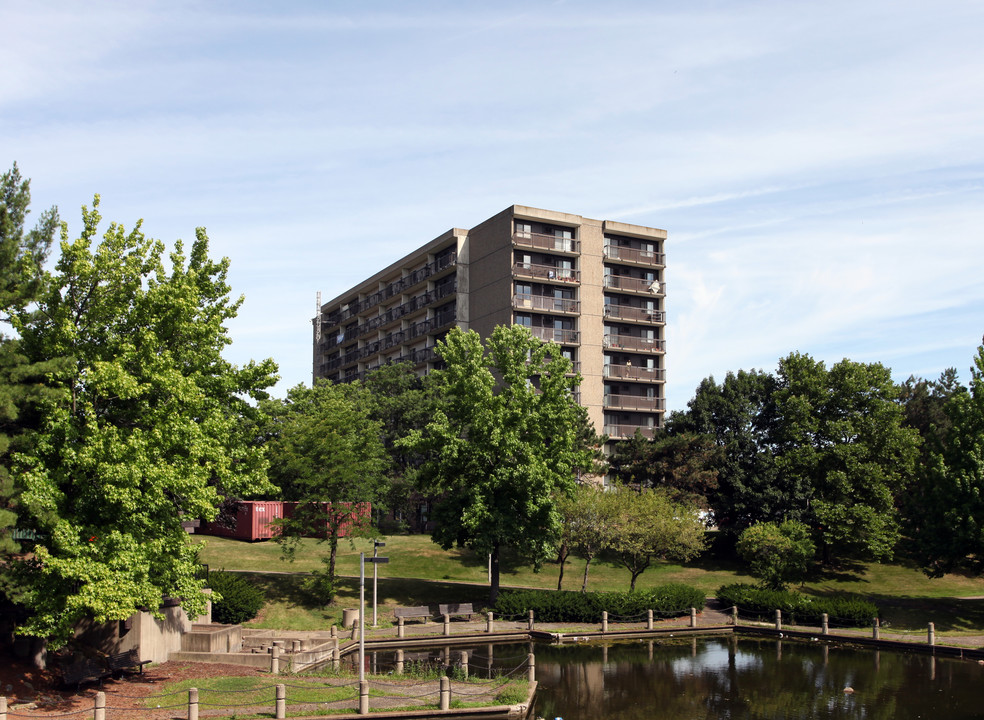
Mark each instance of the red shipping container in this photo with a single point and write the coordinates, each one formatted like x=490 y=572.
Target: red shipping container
x=253 y=521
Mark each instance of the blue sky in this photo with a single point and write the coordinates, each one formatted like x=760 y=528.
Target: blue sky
x=819 y=166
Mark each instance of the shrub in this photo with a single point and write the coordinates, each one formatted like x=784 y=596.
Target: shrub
x=570 y=606
x=777 y=554
x=236 y=599
x=797 y=607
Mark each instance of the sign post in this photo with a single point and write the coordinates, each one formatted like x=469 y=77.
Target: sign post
x=376 y=544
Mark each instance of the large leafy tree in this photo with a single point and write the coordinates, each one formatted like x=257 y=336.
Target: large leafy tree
x=141 y=432
x=684 y=464
x=400 y=401
x=506 y=441
x=947 y=521
x=327 y=454
x=841 y=434
x=739 y=415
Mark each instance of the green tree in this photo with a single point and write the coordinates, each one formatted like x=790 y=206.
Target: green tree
x=948 y=521
x=739 y=415
x=841 y=434
x=22 y=256
x=777 y=553
x=648 y=526
x=504 y=444
x=141 y=431
x=327 y=454
x=400 y=401
x=587 y=519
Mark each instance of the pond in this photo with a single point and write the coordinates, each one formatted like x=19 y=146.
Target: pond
x=730 y=677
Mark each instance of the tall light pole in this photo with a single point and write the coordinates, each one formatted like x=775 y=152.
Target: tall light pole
x=376 y=544
x=362 y=609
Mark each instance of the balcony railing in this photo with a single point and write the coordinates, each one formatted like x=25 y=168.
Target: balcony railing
x=396 y=287
x=630 y=312
x=546 y=303
x=634 y=255
x=621 y=432
x=564 y=337
x=633 y=402
x=626 y=282
x=635 y=372
x=629 y=342
x=546 y=272
x=540 y=241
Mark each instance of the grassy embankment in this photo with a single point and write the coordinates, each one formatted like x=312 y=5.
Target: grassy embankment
x=420 y=572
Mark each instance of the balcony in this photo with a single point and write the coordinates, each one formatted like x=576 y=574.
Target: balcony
x=634 y=255
x=541 y=241
x=630 y=342
x=563 y=337
x=546 y=272
x=623 y=432
x=634 y=284
x=630 y=312
x=633 y=402
x=546 y=303
x=635 y=372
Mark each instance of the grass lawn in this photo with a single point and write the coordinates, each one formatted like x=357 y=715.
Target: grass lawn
x=420 y=572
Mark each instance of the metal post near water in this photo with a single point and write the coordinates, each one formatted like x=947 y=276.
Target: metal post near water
x=778 y=619
x=490 y=623
x=447 y=624
x=824 y=627
x=399 y=661
x=604 y=621
x=693 y=617
x=875 y=629
x=464 y=662
x=529 y=623
x=531 y=667
x=931 y=634
x=649 y=620
x=734 y=615
x=399 y=627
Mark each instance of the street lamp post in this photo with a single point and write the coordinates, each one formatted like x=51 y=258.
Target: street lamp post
x=362 y=608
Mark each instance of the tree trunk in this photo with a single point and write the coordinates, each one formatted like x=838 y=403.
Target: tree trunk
x=584 y=583
x=494 y=587
x=562 y=560
x=333 y=552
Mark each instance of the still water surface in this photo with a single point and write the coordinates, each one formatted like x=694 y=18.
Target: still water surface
x=731 y=678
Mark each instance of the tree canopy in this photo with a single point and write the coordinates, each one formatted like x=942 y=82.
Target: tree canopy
x=947 y=517
x=138 y=431
x=505 y=442
x=327 y=454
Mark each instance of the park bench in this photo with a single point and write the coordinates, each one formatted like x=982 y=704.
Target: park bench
x=121 y=662
x=83 y=671
x=410 y=613
x=456 y=609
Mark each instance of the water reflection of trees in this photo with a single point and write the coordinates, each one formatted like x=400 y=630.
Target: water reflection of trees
x=725 y=678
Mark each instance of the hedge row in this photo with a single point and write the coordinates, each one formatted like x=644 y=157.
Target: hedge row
x=796 y=607
x=569 y=606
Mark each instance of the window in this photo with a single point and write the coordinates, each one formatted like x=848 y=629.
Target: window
x=523 y=229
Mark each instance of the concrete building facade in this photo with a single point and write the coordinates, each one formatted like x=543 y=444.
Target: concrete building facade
x=595 y=287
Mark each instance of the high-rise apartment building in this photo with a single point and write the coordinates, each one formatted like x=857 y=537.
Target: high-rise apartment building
x=595 y=287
